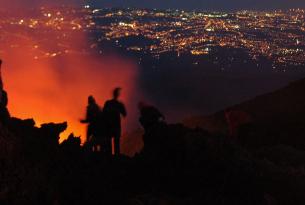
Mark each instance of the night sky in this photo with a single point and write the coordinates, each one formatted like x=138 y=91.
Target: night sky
x=182 y=4
x=204 y=4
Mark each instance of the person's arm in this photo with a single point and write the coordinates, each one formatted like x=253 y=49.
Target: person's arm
x=106 y=106
x=87 y=119
x=83 y=121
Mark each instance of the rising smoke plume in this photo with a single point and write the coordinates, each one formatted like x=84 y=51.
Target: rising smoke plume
x=50 y=83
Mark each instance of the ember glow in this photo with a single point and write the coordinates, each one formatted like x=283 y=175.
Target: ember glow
x=48 y=72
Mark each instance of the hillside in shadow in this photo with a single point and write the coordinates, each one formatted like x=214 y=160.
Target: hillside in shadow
x=262 y=164
x=276 y=118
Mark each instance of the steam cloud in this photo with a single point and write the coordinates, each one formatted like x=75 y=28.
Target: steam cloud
x=55 y=88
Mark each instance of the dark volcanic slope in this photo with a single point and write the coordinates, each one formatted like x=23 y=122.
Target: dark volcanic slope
x=285 y=104
x=282 y=107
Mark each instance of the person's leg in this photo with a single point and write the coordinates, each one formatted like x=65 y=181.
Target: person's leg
x=88 y=134
x=108 y=146
x=117 y=141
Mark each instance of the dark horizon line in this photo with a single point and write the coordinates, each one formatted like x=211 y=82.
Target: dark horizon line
x=197 y=10
x=208 y=7
x=163 y=9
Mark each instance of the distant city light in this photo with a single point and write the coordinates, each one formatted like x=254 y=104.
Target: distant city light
x=278 y=36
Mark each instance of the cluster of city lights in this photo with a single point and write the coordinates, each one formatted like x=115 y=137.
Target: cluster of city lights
x=277 y=35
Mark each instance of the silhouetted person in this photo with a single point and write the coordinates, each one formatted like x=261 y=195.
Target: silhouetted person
x=113 y=110
x=4 y=113
x=155 y=127
x=1 y=82
x=149 y=115
x=92 y=113
x=95 y=130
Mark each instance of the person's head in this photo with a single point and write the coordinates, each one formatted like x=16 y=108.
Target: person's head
x=116 y=93
x=91 y=100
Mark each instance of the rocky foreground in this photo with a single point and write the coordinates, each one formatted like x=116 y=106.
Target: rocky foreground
x=264 y=164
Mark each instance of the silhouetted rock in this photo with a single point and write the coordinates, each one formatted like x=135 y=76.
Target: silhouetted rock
x=178 y=165
x=51 y=131
x=71 y=145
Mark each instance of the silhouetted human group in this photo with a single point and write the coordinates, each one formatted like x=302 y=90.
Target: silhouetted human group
x=104 y=124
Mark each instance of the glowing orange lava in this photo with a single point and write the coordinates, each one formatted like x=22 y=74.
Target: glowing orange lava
x=55 y=88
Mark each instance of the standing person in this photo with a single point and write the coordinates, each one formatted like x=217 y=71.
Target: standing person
x=4 y=113
x=93 y=115
x=1 y=83
x=113 y=110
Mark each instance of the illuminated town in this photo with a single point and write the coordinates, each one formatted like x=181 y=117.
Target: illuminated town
x=152 y=102
x=278 y=36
